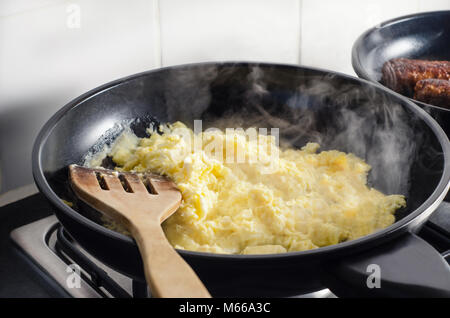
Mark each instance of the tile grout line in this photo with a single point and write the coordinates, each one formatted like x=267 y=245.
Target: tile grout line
x=300 y=29
x=157 y=33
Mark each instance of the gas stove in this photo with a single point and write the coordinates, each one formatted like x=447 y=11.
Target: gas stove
x=47 y=262
x=57 y=256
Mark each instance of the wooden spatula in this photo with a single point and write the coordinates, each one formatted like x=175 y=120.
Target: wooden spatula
x=141 y=203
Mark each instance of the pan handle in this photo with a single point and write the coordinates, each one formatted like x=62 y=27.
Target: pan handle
x=406 y=267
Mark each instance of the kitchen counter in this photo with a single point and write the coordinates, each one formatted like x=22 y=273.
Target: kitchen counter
x=17 y=277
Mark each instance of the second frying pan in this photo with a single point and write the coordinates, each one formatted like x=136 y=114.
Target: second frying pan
x=419 y=36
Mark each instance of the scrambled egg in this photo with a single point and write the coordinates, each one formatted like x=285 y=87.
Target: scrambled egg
x=306 y=201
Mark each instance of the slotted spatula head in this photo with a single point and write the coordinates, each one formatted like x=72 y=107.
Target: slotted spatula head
x=141 y=202
x=133 y=195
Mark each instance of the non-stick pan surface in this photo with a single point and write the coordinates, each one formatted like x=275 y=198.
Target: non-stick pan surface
x=409 y=153
x=419 y=36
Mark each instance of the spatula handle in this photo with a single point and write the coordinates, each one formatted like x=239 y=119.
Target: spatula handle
x=168 y=275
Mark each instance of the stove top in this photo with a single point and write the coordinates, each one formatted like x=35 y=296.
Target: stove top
x=49 y=247
x=76 y=273
x=49 y=263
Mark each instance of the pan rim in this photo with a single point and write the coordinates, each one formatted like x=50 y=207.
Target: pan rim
x=362 y=72
x=422 y=212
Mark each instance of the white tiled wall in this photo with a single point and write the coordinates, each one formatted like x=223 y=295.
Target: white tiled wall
x=46 y=60
x=47 y=57
x=330 y=27
x=257 y=30
x=432 y=5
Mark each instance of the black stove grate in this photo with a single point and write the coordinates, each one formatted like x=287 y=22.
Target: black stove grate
x=97 y=277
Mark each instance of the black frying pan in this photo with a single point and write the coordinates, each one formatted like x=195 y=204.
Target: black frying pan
x=409 y=153
x=419 y=36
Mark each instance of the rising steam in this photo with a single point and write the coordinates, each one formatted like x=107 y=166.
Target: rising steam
x=335 y=113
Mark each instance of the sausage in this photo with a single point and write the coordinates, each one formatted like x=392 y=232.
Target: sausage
x=401 y=75
x=433 y=91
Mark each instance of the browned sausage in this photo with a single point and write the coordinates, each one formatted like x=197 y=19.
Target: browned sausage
x=433 y=91
x=401 y=75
